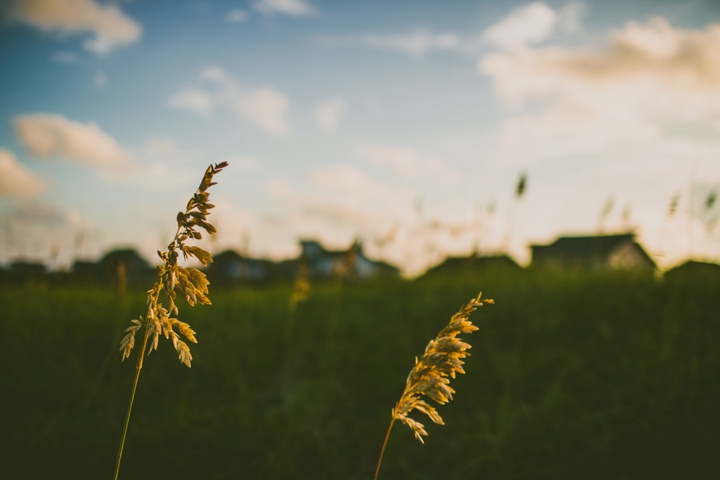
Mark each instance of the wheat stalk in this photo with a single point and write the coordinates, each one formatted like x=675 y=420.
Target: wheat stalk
x=430 y=375
x=190 y=282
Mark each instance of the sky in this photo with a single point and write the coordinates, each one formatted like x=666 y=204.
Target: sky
x=404 y=124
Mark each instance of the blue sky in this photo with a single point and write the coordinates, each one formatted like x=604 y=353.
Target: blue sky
x=406 y=124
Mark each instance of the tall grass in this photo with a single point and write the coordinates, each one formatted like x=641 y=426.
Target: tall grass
x=573 y=376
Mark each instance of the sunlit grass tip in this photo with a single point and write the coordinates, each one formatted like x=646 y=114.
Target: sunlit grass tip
x=430 y=377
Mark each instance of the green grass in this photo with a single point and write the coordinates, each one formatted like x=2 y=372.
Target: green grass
x=576 y=376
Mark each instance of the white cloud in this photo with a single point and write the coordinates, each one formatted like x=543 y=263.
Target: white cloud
x=47 y=136
x=685 y=61
x=192 y=99
x=408 y=163
x=109 y=26
x=236 y=16
x=15 y=179
x=529 y=24
x=294 y=8
x=264 y=107
x=416 y=43
x=652 y=88
x=328 y=113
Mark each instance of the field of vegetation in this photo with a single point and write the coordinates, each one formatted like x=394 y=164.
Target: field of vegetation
x=571 y=376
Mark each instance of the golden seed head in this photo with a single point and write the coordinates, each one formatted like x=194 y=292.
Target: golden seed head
x=429 y=376
x=189 y=282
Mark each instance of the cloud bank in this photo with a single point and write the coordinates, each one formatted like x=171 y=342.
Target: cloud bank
x=15 y=179
x=108 y=25
x=263 y=107
x=54 y=136
x=293 y=8
x=416 y=43
x=525 y=25
x=409 y=164
x=650 y=90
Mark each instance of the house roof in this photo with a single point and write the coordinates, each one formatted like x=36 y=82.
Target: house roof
x=694 y=268
x=587 y=248
x=124 y=255
x=355 y=246
x=584 y=247
x=475 y=262
x=227 y=256
x=600 y=245
x=233 y=257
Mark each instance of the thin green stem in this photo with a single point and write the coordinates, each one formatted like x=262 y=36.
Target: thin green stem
x=141 y=355
x=387 y=435
x=288 y=356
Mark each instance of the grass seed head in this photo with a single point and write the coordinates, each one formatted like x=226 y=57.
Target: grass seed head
x=430 y=377
x=173 y=279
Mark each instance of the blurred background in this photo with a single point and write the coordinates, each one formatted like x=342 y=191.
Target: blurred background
x=406 y=125
x=388 y=160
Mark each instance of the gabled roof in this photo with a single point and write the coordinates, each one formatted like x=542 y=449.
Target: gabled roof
x=232 y=256
x=596 y=245
x=227 y=256
x=476 y=263
x=27 y=267
x=695 y=269
x=597 y=251
x=127 y=255
x=308 y=245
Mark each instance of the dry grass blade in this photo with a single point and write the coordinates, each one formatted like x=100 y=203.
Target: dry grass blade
x=430 y=377
x=189 y=282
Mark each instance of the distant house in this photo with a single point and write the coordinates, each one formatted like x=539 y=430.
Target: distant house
x=602 y=252
x=476 y=264
x=124 y=266
x=692 y=269
x=229 y=267
x=27 y=269
x=324 y=263
x=22 y=271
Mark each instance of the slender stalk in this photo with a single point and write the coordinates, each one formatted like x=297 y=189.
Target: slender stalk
x=387 y=435
x=141 y=355
x=288 y=356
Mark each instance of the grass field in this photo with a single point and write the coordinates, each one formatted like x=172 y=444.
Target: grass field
x=574 y=376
